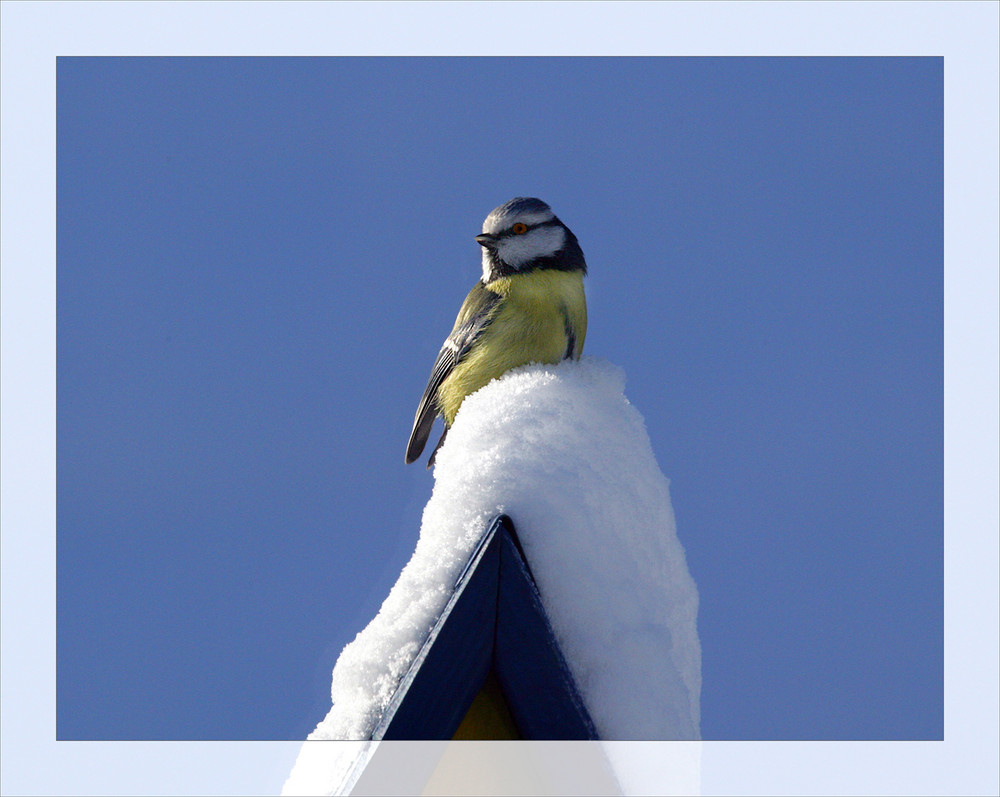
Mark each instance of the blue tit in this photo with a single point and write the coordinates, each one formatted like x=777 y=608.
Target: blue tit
x=529 y=307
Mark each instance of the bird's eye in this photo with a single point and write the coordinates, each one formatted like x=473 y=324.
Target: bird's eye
x=520 y=229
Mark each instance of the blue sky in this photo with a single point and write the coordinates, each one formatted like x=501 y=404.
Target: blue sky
x=258 y=260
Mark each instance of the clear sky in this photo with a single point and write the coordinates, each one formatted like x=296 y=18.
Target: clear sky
x=259 y=258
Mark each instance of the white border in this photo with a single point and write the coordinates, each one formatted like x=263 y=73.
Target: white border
x=965 y=34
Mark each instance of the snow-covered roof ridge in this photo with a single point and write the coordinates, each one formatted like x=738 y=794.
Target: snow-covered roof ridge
x=559 y=449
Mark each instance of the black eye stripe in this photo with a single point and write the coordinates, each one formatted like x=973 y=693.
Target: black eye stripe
x=549 y=223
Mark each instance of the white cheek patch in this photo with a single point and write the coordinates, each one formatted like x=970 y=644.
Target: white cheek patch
x=518 y=250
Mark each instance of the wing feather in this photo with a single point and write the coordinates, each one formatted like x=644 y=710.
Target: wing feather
x=476 y=314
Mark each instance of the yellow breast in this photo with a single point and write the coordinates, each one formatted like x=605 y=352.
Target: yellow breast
x=538 y=315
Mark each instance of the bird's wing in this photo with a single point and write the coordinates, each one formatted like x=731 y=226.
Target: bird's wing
x=476 y=314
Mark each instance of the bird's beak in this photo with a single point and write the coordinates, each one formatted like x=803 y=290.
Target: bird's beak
x=487 y=240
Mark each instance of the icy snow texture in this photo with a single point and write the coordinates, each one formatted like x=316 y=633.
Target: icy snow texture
x=561 y=450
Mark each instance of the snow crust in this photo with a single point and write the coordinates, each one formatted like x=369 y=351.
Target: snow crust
x=562 y=451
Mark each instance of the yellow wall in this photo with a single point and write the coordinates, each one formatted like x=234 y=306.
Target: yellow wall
x=488 y=716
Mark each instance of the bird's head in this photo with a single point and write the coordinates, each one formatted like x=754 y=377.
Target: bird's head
x=524 y=235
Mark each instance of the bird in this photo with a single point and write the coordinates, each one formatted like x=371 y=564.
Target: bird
x=528 y=307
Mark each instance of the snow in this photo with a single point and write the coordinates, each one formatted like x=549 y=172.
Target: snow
x=560 y=449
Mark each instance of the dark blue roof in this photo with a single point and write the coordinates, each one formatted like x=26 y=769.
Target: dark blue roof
x=494 y=620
